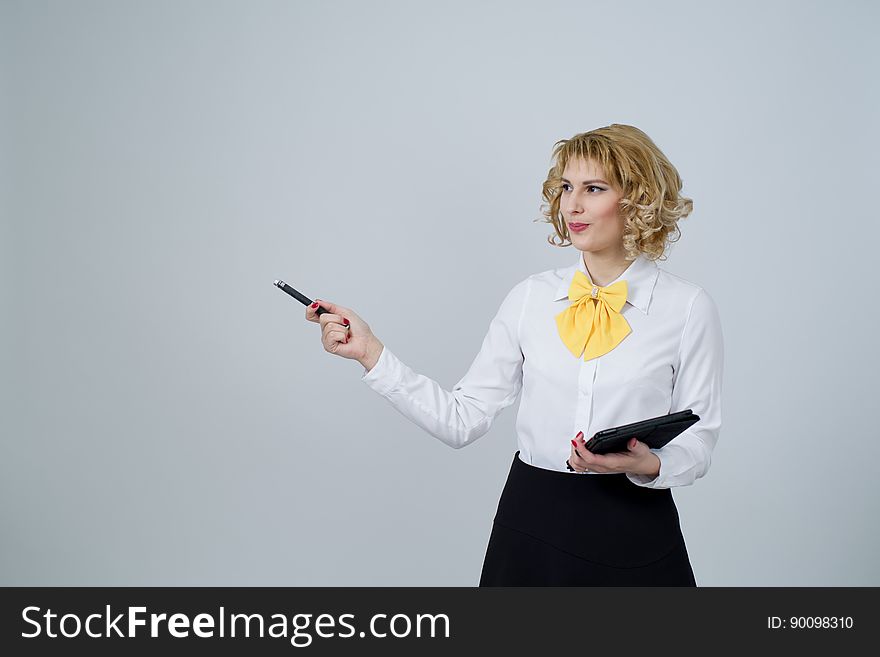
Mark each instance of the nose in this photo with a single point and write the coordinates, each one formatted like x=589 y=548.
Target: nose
x=572 y=206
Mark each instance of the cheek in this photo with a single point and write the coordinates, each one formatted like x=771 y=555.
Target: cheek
x=608 y=212
x=609 y=226
x=611 y=222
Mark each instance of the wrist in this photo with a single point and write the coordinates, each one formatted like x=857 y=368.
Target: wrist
x=371 y=353
x=653 y=467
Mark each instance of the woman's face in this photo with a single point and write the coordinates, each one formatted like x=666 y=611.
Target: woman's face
x=588 y=199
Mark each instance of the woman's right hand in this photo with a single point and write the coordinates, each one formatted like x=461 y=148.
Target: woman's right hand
x=344 y=333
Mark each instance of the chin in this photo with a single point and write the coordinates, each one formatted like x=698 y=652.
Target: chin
x=584 y=242
x=588 y=247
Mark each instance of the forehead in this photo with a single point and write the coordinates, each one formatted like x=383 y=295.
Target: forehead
x=581 y=169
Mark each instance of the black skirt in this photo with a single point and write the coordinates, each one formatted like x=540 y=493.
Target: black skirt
x=561 y=529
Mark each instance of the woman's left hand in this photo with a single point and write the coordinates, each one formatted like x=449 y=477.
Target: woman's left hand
x=638 y=459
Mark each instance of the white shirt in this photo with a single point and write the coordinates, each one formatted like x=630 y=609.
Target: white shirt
x=672 y=360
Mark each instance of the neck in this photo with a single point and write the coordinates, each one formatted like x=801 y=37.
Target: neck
x=605 y=267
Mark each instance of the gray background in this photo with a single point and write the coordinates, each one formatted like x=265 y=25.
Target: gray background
x=170 y=418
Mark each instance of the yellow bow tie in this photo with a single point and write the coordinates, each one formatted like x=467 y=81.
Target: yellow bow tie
x=592 y=324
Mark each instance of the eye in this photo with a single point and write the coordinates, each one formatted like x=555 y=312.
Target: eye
x=565 y=187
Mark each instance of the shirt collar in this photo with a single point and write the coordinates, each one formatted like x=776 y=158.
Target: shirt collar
x=640 y=277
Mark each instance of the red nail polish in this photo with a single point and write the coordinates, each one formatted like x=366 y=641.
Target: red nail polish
x=345 y=321
x=315 y=305
x=580 y=434
x=574 y=443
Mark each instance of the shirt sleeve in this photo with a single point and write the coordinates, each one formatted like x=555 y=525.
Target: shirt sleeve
x=493 y=381
x=696 y=385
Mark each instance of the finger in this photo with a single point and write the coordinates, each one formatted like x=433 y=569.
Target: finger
x=312 y=312
x=583 y=458
x=331 y=318
x=332 y=340
x=578 y=464
x=336 y=332
x=331 y=307
x=328 y=319
x=580 y=448
x=334 y=328
x=576 y=461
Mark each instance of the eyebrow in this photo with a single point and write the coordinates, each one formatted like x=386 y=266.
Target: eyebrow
x=587 y=182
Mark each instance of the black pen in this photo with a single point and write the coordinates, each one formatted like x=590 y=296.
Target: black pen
x=299 y=296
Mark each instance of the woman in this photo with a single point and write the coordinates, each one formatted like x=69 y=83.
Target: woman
x=610 y=340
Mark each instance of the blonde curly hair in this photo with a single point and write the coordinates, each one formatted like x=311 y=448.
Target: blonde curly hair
x=651 y=203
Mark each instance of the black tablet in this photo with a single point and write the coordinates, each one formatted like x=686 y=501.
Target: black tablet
x=654 y=432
